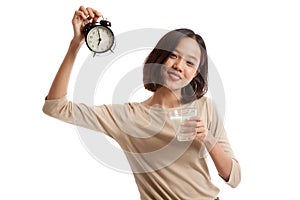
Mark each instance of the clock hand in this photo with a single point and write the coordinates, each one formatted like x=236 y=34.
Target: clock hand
x=99 y=37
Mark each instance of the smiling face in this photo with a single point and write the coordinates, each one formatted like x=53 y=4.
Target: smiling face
x=178 y=62
x=181 y=65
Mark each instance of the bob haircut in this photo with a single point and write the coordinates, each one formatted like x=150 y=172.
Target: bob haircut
x=154 y=63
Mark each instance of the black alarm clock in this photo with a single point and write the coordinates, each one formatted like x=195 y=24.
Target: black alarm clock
x=99 y=37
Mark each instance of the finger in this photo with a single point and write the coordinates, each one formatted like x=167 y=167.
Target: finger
x=90 y=13
x=95 y=19
x=79 y=15
x=201 y=136
x=197 y=126
x=84 y=10
x=199 y=122
x=189 y=123
x=187 y=130
x=200 y=129
x=97 y=15
x=195 y=118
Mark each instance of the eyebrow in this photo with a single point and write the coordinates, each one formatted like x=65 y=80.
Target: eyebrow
x=189 y=56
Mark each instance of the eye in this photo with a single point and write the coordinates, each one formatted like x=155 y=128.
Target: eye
x=190 y=63
x=173 y=55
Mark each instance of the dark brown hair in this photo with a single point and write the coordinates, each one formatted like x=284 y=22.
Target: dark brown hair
x=152 y=76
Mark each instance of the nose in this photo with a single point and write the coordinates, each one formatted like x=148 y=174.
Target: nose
x=178 y=65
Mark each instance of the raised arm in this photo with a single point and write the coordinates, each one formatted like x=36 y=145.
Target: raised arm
x=60 y=83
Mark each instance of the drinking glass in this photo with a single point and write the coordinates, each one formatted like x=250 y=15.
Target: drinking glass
x=177 y=117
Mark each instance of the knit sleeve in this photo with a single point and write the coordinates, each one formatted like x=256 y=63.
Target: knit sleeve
x=97 y=118
x=235 y=174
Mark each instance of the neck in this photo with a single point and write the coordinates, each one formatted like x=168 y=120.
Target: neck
x=164 y=98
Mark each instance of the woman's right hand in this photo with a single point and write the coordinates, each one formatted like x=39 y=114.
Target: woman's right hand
x=81 y=17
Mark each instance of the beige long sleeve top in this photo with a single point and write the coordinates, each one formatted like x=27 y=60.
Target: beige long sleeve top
x=163 y=167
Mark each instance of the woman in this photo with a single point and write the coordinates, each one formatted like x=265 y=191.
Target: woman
x=176 y=72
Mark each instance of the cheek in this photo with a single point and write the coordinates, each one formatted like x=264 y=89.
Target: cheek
x=167 y=63
x=190 y=73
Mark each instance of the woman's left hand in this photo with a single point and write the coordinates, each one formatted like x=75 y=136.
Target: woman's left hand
x=198 y=126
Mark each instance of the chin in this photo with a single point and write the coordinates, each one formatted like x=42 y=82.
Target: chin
x=173 y=87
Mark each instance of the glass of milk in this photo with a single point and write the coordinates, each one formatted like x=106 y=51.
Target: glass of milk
x=177 y=117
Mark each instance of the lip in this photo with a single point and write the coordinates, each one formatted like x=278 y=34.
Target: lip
x=174 y=74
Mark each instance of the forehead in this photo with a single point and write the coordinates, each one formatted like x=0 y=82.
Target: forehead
x=189 y=48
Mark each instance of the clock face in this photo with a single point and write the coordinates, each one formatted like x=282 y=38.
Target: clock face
x=100 y=39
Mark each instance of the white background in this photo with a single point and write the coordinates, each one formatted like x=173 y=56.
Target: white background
x=254 y=45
